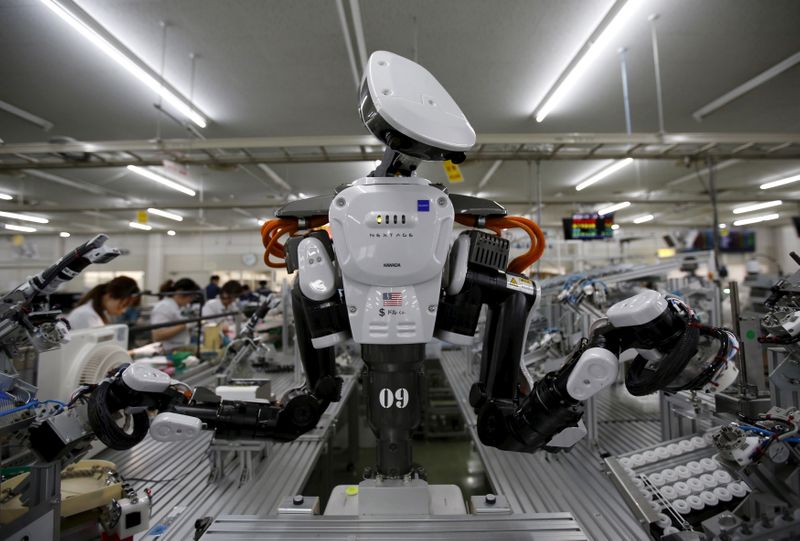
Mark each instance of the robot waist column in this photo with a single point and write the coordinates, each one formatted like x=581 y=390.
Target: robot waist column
x=393 y=385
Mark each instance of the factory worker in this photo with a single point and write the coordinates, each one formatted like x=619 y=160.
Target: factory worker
x=169 y=309
x=225 y=302
x=103 y=302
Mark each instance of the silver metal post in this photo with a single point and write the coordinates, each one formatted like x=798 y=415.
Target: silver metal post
x=538 y=208
x=623 y=69
x=736 y=315
x=657 y=66
x=712 y=192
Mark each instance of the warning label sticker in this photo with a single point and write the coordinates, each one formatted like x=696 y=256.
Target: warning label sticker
x=519 y=283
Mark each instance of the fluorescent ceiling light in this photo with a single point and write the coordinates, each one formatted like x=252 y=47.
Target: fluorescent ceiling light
x=46 y=125
x=165 y=214
x=723 y=226
x=613 y=21
x=164 y=181
x=614 y=226
x=24 y=217
x=780 y=182
x=137 y=225
x=125 y=59
x=64 y=235
x=757 y=206
x=171 y=233
x=603 y=173
x=22 y=228
x=643 y=219
x=613 y=208
x=757 y=219
x=5 y=197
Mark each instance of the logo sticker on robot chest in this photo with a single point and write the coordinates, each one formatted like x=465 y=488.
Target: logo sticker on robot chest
x=392 y=304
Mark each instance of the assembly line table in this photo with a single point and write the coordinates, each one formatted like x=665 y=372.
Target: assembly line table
x=178 y=473
x=576 y=481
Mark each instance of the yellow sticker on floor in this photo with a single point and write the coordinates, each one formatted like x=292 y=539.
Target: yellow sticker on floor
x=453 y=171
x=519 y=283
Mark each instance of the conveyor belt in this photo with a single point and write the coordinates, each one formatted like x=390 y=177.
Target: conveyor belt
x=183 y=470
x=574 y=482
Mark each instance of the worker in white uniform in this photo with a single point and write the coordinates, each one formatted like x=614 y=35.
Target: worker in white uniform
x=226 y=301
x=169 y=309
x=103 y=302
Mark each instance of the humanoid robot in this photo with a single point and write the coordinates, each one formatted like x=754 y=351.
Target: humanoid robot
x=390 y=276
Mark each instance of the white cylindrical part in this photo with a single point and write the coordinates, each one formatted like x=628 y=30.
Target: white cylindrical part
x=663 y=521
x=637 y=460
x=657 y=479
x=669 y=475
x=625 y=462
x=682 y=489
x=696 y=485
x=708 y=480
x=686 y=446
x=683 y=472
x=681 y=507
x=737 y=490
x=662 y=453
x=668 y=492
x=709 y=464
x=709 y=498
x=695 y=502
x=674 y=449
x=698 y=442
x=650 y=457
x=723 y=494
x=695 y=467
x=637 y=482
x=722 y=477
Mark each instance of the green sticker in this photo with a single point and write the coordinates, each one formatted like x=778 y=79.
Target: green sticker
x=751 y=335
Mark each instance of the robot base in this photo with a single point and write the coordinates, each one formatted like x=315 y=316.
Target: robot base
x=396 y=497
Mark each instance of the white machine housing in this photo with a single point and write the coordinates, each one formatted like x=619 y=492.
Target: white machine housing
x=391 y=237
x=410 y=99
x=86 y=358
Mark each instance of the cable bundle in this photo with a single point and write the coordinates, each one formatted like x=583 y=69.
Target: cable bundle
x=273 y=230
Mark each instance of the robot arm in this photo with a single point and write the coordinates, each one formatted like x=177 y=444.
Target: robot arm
x=183 y=412
x=517 y=414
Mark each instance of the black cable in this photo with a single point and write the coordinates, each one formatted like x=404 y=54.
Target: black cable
x=641 y=381
x=103 y=424
x=720 y=359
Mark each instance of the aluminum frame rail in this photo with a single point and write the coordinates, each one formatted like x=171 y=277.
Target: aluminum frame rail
x=350 y=148
x=615 y=275
x=182 y=492
x=545 y=483
x=539 y=527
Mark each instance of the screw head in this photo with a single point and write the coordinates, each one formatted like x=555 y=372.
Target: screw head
x=298 y=500
x=491 y=499
x=432 y=308
x=340 y=202
x=352 y=309
x=442 y=201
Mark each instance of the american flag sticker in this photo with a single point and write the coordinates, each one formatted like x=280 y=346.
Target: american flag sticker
x=393 y=299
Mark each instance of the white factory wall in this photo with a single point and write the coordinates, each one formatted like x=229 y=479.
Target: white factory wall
x=152 y=258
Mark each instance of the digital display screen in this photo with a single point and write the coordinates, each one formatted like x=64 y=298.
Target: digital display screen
x=741 y=241
x=588 y=227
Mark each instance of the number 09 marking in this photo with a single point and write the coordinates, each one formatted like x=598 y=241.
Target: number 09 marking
x=398 y=399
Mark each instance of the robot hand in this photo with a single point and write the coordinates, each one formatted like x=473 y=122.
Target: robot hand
x=666 y=336
x=184 y=412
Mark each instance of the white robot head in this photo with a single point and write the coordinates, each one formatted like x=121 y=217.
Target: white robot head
x=404 y=106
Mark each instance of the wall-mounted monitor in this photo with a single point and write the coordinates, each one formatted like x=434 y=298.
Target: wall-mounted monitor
x=588 y=227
